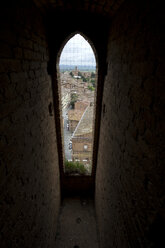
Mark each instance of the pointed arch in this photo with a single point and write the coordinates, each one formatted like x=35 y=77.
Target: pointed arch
x=67 y=39
x=72 y=35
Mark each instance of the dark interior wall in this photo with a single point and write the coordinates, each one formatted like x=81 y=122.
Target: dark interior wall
x=130 y=171
x=29 y=174
x=130 y=175
x=91 y=27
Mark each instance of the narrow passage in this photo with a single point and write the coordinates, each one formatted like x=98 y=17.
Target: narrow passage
x=77 y=224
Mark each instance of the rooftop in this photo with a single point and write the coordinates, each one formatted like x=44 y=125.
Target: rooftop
x=85 y=125
x=75 y=115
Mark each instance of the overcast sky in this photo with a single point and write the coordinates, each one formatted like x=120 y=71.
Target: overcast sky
x=77 y=51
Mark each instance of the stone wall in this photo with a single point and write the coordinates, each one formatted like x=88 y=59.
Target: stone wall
x=78 y=150
x=72 y=125
x=130 y=171
x=29 y=174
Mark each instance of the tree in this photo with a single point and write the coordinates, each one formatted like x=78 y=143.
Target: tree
x=93 y=82
x=72 y=167
x=84 y=79
x=71 y=73
x=74 y=98
x=91 y=88
x=93 y=75
x=79 y=74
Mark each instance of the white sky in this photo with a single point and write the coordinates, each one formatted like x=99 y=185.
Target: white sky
x=77 y=51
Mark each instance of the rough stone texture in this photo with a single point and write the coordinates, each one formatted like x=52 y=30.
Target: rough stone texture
x=130 y=170
x=29 y=176
x=130 y=173
x=103 y=7
x=77 y=224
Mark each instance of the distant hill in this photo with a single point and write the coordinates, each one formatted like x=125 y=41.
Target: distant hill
x=80 y=67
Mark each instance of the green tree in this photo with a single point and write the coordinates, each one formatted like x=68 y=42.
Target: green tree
x=74 y=98
x=71 y=73
x=79 y=74
x=91 y=88
x=93 y=75
x=93 y=82
x=72 y=167
x=84 y=79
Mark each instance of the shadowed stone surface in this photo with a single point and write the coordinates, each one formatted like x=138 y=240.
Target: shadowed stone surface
x=130 y=185
x=77 y=224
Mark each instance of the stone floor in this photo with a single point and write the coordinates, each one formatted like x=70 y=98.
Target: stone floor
x=77 y=224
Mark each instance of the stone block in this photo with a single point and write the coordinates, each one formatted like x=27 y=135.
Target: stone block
x=5 y=50
x=18 y=52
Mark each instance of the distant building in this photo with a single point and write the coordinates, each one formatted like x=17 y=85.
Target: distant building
x=78 y=86
x=66 y=80
x=86 y=74
x=65 y=97
x=75 y=72
x=81 y=105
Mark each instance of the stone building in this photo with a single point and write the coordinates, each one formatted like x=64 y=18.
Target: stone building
x=65 y=97
x=65 y=79
x=75 y=71
x=74 y=117
x=127 y=182
x=82 y=140
x=81 y=105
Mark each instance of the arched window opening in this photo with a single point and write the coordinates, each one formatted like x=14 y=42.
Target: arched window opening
x=77 y=91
